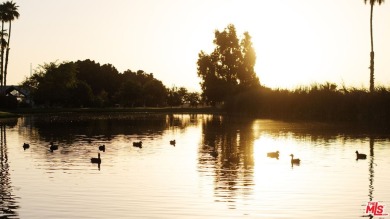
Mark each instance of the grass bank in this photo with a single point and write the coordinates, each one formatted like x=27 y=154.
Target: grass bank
x=7 y=114
x=183 y=110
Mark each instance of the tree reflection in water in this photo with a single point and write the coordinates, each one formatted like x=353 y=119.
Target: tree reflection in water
x=371 y=172
x=227 y=147
x=8 y=203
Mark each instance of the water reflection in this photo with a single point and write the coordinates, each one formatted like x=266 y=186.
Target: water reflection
x=72 y=127
x=218 y=167
x=77 y=137
x=371 y=172
x=235 y=152
x=8 y=203
x=227 y=148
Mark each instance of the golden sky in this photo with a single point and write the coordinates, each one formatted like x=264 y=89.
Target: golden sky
x=297 y=42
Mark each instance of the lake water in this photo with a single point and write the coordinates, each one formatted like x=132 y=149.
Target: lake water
x=218 y=168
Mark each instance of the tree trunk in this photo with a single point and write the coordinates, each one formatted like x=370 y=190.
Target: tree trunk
x=7 y=55
x=372 y=52
x=5 y=66
x=2 y=54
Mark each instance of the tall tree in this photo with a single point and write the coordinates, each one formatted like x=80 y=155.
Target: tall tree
x=229 y=69
x=3 y=44
x=247 y=74
x=11 y=13
x=372 y=3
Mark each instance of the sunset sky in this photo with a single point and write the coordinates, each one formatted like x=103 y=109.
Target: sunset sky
x=297 y=42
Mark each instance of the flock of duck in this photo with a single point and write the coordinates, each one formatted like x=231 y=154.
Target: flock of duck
x=98 y=160
x=297 y=161
x=276 y=155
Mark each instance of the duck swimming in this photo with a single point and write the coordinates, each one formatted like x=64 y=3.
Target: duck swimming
x=53 y=147
x=26 y=146
x=137 y=144
x=360 y=156
x=273 y=154
x=294 y=161
x=96 y=160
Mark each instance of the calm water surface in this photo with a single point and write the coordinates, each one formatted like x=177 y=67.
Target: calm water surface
x=218 y=168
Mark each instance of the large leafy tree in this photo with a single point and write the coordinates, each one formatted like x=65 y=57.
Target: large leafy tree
x=8 y=13
x=87 y=83
x=372 y=3
x=177 y=96
x=247 y=75
x=53 y=84
x=229 y=69
x=130 y=93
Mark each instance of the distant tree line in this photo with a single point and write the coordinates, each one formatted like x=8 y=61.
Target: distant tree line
x=89 y=84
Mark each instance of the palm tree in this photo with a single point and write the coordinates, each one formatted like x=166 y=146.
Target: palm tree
x=372 y=3
x=2 y=40
x=3 y=45
x=11 y=13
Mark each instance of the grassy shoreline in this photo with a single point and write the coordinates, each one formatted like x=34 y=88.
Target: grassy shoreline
x=4 y=114
x=359 y=124
x=29 y=111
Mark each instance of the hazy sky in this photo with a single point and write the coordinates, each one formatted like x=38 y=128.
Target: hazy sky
x=297 y=42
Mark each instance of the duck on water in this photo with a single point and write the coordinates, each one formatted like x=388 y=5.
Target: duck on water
x=53 y=147
x=137 y=144
x=296 y=161
x=360 y=156
x=273 y=154
x=96 y=159
x=26 y=146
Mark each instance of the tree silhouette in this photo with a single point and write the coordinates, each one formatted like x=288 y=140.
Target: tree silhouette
x=229 y=69
x=11 y=14
x=247 y=74
x=87 y=83
x=8 y=13
x=372 y=3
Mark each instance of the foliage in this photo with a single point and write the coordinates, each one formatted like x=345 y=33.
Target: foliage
x=229 y=69
x=177 y=96
x=87 y=83
x=8 y=102
x=8 y=13
x=180 y=96
x=141 y=89
x=193 y=98
x=318 y=102
x=54 y=83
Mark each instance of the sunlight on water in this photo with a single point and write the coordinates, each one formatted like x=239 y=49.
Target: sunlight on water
x=218 y=168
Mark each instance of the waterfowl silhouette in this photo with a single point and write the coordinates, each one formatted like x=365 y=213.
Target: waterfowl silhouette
x=96 y=160
x=273 y=154
x=25 y=146
x=137 y=144
x=102 y=148
x=294 y=161
x=53 y=147
x=172 y=142
x=360 y=156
